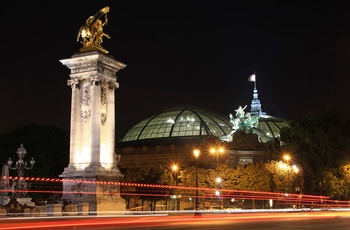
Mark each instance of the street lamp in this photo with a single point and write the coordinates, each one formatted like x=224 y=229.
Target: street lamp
x=175 y=168
x=285 y=167
x=218 y=192
x=217 y=151
x=22 y=186
x=288 y=168
x=196 y=155
x=286 y=158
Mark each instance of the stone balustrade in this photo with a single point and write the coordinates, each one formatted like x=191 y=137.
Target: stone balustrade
x=39 y=211
x=51 y=210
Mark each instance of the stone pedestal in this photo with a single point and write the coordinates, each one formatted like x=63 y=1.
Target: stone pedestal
x=99 y=190
x=245 y=141
x=92 y=175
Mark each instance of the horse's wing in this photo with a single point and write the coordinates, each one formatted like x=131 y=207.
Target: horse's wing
x=101 y=12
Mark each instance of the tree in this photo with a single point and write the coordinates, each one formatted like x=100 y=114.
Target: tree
x=318 y=142
x=188 y=179
x=344 y=171
x=153 y=194
x=130 y=175
x=252 y=177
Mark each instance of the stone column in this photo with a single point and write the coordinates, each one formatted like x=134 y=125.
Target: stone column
x=95 y=120
x=112 y=85
x=74 y=122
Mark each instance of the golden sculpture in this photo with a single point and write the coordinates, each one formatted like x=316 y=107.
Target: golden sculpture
x=91 y=33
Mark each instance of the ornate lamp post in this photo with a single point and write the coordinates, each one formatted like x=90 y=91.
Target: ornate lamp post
x=22 y=186
x=196 y=155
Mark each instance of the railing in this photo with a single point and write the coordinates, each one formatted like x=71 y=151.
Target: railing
x=71 y=209
x=39 y=211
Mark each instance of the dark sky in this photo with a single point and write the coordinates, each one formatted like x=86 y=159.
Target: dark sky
x=194 y=52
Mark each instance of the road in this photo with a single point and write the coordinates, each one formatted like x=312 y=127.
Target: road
x=241 y=221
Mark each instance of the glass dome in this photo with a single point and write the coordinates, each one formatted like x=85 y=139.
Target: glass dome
x=269 y=127
x=185 y=122
x=180 y=122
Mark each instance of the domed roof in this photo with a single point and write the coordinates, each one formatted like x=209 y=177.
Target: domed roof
x=190 y=122
x=179 y=123
x=269 y=127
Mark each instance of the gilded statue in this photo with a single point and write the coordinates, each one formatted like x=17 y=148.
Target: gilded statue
x=91 y=33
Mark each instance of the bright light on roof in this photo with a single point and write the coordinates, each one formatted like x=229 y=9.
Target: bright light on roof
x=170 y=120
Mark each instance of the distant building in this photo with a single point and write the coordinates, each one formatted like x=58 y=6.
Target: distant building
x=171 y=137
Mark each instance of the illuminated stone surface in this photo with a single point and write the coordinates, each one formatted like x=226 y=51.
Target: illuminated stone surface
x=92 y=135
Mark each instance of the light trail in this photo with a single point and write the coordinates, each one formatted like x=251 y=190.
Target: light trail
x=123 y=222
x=43 y=185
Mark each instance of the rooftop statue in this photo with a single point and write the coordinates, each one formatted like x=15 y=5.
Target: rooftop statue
x=91 y=33
x=243 y=122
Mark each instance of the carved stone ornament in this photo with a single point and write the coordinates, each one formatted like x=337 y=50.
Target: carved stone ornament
x=73 y=83
x=79 y=189
x=104 y=96
x=104 y=105
x=85 y=68
x=85 y=105
x=104 y=70
x=95 y=79
x=113 y=85
x=110 y=190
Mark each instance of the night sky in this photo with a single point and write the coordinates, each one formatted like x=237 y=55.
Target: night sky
x=178 y=52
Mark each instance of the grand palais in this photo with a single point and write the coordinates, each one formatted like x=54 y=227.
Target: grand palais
x=170 y=138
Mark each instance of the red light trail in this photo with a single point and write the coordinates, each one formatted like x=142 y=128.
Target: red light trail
x=226 y=193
